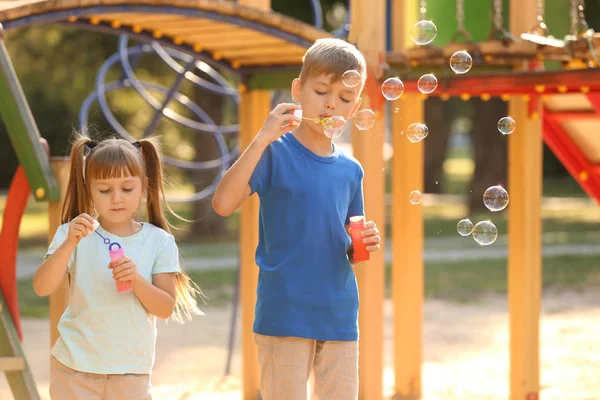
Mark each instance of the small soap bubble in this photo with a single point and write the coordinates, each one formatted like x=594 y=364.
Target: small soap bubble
x=351 y=78
x=506 y=125
x=423 y=32
x=464 y=227
x=485 y=233
x=364 y=119
x=427 y=83
x=414 y=197
x=495 y=198
x=392 y=88
x=396 y=110
x=461 y=62
x=334 y=126
x=417 y=132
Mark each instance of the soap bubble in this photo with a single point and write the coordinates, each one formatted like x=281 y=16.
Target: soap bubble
x=423 y=32
x=427 y=83
x=485 y=233
x=495 y=198
x=364 y=119
x=415 y=197
x=464 y=227
x=461 y=62
x=351 y=78
x=392 y=88
x=417 y=132
x=334 y=126
x=506 y=125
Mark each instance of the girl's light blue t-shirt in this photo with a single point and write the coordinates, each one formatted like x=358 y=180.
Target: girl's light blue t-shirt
x=306 y=285
x=102 y=331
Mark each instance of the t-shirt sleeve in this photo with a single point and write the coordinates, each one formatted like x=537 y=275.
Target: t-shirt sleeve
x=357 y=203
x=59 y=237
x=167 y=258
x=260 y=181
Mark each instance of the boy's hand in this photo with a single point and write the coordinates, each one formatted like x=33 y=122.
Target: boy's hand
x=371 y=236
x=278 y=122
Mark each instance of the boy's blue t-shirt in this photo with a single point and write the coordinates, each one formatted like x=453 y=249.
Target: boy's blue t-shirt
x=306 y=285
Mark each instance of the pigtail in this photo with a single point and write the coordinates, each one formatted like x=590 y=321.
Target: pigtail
x=77 y=199
x=186 y=305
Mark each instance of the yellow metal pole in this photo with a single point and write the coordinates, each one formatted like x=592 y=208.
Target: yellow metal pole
x=59 y=300
x=368 y=32
x=407 y=224
x=524 y=231
x=253 y=108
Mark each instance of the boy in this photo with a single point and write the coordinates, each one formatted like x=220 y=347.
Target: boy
x=307 y=298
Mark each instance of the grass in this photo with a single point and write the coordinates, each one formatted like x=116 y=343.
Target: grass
x=456 y=281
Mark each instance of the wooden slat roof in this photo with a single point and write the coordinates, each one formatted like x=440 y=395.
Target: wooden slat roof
x=238 y=35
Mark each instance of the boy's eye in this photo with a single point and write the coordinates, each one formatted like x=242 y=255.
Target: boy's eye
x=344 y=100
x=320 y=93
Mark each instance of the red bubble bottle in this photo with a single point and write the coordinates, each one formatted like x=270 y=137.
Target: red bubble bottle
x=357 y=225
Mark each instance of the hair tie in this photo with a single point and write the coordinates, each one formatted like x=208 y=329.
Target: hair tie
x=91 y=144
x=137 y=144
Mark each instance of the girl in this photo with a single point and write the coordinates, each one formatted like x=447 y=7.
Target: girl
x=108 y=332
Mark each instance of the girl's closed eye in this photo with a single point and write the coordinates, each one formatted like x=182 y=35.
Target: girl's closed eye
x=104 y=191
x=344 y=100
x=127 y=189
x=320 y=93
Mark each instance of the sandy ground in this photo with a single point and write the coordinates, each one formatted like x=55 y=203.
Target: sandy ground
x=465 y=352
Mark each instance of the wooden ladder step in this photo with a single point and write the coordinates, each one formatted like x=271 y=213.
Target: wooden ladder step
x=10 y=364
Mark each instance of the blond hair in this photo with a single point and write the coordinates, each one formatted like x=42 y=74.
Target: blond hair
x=112 y=158
x=333 y=57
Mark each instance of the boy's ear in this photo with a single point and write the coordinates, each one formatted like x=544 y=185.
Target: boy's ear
x=356 y=107
x=296 y=89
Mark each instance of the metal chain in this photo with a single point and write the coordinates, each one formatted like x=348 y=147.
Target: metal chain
x=574 y=17
x=498 y=19
x=540 y=10
x=423 y=9
x=582 y=22
x=460 y=15
x=579 y=25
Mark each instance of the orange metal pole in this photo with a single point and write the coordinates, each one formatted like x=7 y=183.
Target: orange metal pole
x=253 y=108
x=524 y=229
x=407 y=225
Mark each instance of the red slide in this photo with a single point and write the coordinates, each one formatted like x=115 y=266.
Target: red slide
x=571 y=130
x=16 y=202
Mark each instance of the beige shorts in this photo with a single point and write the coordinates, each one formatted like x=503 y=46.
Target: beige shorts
x=68 y=384
x=286 y=364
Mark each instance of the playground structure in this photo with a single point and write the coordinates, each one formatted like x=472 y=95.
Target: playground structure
x=560 y=106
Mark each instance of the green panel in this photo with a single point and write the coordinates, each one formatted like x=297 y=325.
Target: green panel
x=477 y=17
x=280 y=80
x=558 y=17
x=23 y=132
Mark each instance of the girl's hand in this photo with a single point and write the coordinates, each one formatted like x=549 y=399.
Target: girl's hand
x=371 y=237
x=124 y=270
x=80 y=227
